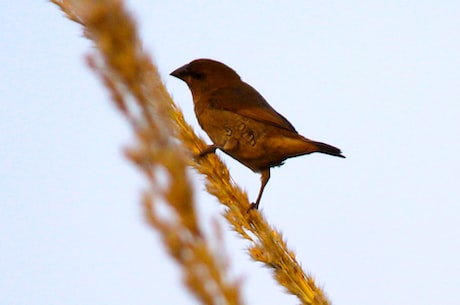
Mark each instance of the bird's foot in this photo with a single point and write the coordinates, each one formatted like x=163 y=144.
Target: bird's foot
x=253 y=206
x=209 y=149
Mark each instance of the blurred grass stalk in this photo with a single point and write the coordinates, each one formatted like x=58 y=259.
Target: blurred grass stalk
x=163 y=149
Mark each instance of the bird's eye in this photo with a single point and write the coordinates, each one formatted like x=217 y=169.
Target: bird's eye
x=197 y=76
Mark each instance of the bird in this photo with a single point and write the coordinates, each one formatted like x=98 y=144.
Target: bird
x=241 y=123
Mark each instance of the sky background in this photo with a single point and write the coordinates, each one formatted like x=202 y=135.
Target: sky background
x=379 y=79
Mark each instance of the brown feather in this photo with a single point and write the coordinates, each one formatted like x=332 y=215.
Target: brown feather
x=244 y=100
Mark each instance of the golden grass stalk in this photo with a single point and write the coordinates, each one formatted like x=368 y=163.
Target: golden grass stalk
x=165 y=144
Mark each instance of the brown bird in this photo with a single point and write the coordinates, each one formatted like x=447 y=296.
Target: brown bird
x=241 y=123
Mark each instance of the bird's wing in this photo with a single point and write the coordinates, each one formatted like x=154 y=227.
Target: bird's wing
x=244 y=100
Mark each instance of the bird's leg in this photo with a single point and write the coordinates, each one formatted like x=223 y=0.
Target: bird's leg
x=208 y=150
x=265 y=176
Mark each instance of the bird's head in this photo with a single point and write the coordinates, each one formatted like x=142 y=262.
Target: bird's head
x=204 y=75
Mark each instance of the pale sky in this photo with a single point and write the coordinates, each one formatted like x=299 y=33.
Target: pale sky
x=379 y=79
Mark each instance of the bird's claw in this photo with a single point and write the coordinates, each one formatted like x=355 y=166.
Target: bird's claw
x=253 y=206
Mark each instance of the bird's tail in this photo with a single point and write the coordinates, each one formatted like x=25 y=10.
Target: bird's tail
x=293 y=145
x=328 y=149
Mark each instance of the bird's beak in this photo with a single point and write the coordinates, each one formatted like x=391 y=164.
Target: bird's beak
x=180 y=72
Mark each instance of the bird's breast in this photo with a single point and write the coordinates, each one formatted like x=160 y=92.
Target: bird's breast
x=225 y=126
x=242 y=138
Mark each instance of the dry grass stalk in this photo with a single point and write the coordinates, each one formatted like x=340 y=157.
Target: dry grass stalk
x=139 y=93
